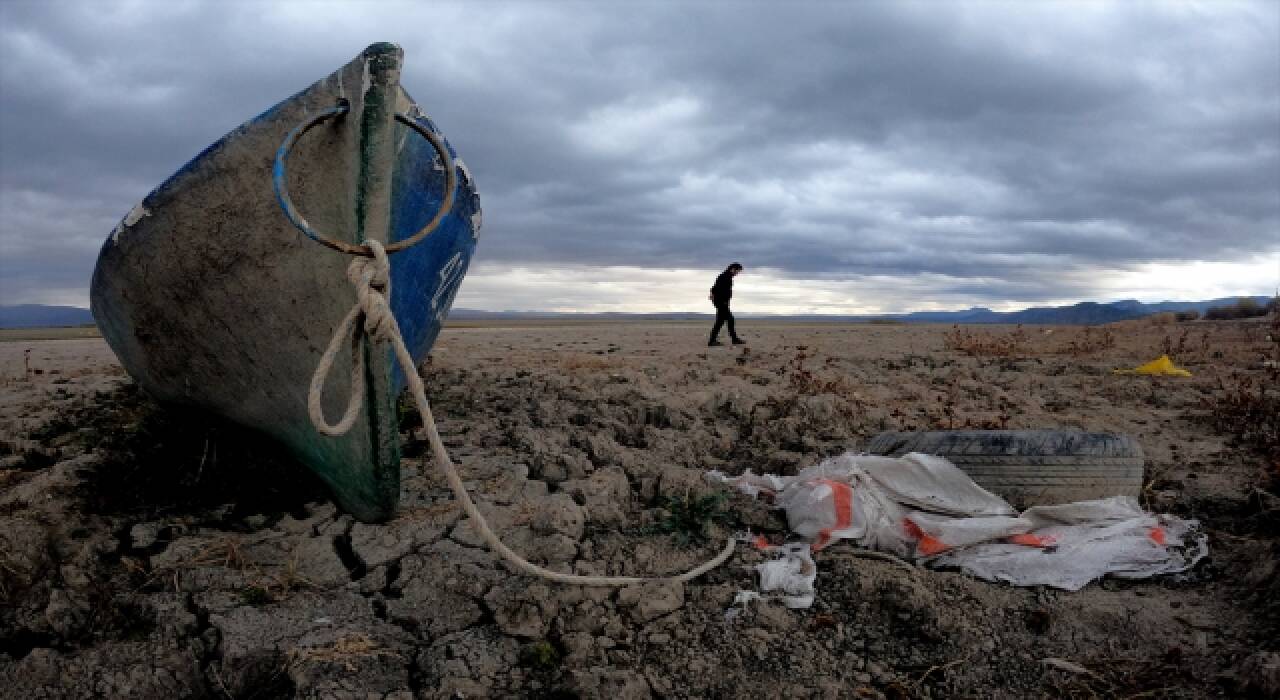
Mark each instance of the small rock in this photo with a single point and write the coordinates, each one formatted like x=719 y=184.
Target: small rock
x=144 y=535
x=66 y=612
x=612 y=684
x=521 y=609
x=605 y=495
x=559 y=515
x=440 y=589
x=470 y=658
x=317 y=562
x=256 y=642
x=256 y=522
x=317 y=515
x=650 y=601
x=381 y=544
x=578 y=647
x=1260 y=673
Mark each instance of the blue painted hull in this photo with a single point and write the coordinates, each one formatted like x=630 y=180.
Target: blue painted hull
x=210 y=298
x=425 y=277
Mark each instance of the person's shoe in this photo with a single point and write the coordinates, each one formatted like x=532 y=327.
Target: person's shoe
x=739 y=341
x=714 y=343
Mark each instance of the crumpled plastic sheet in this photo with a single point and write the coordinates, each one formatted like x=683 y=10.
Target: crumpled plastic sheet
x=923 y=508
x=1160 y=367
x=791 y=574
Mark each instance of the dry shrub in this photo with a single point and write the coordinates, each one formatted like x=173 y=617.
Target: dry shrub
x=1245 y=307
x=1091 y=340
x=1166 y=675
x=948 y=418
x=1184 y=346
x=1248 y=408
x=578 y=361
x=806 y=381
x=987 y=343
x=224 y=552
x=1164 y=318
x=345 y=651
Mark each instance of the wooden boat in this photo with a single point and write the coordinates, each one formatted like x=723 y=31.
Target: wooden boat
x=211 y=297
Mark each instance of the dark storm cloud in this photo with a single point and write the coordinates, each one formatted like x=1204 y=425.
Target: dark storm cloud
x=1010 y=151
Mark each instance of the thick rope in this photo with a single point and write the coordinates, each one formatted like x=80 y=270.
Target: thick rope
x=372 y=280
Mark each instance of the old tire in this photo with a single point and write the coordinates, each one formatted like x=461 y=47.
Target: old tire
x=1031 y=467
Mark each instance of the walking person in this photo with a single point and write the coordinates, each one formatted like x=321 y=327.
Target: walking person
x=721 y=293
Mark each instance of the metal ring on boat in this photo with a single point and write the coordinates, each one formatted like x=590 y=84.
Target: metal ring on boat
x=278 y=181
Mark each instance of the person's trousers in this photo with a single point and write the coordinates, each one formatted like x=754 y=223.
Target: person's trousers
x=723 y=316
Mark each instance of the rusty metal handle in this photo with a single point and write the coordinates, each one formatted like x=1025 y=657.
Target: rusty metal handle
x=279 y=177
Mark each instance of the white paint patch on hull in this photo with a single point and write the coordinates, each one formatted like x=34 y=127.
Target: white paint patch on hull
x=134 y=216
x=477 y=217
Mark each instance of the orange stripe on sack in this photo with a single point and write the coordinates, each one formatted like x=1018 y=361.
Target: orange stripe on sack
x=842 y=501
x=1156 y=534
x=927 y=545
x=1030 y=540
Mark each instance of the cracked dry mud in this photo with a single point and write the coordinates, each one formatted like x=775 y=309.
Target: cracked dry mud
x=147 y=553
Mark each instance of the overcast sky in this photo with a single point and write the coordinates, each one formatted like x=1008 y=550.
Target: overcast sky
x=855 y=157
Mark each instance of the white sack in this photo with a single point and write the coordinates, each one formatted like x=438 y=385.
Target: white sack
x=1085 y=541
x=925 y=508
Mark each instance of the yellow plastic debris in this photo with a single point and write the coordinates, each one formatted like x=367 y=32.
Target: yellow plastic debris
x=1161 y=366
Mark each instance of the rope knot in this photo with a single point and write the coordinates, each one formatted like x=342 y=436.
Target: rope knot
x=372 y=279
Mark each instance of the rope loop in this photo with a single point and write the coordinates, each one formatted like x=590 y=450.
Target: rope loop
x=371 y=316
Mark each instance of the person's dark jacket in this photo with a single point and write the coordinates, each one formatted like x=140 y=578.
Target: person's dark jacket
x=722 y=290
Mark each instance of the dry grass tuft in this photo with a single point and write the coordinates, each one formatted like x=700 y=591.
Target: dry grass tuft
x=806 y=381
x=346 y=651
x=1247 y=406
x=578 y=361
x=263 y=586
x=224 y=551
x=984 y=343
x=1185 y=347
x=1090 y=341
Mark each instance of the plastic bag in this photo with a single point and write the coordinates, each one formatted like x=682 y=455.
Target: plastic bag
x=924 y=508
x=792 y=574
x=1161 y=366
x=1084 y=541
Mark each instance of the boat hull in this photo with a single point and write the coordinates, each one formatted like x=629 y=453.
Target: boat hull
x=211 y=298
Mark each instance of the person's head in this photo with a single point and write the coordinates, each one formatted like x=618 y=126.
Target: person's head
x=734 y=268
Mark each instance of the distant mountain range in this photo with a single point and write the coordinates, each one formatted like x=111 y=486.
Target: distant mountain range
x=1084 y=313
x=37 y=316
